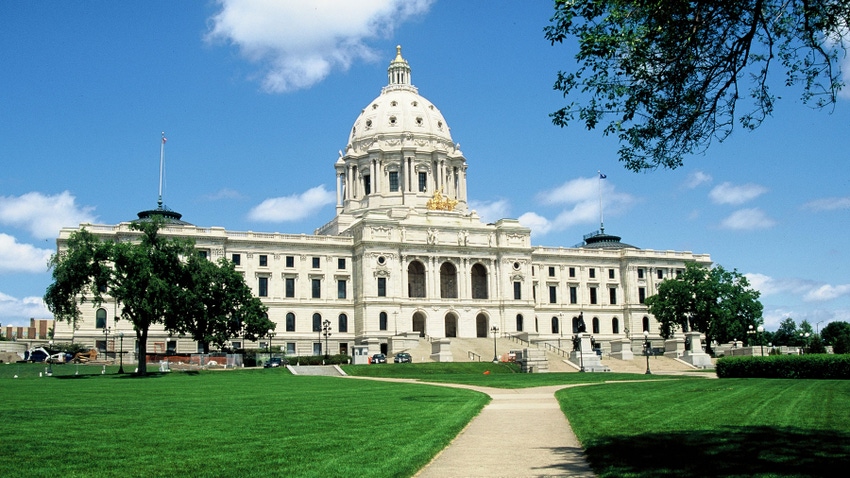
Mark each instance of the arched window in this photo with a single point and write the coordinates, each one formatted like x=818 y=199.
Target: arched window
x=343 y=323
x=615 y=325
x=416 y=279
x=519 y=322
x=100 y=318
x=575 y=325
x=646 y=324
x=290 y=322
x=382 y=321
x=479 y=281
x=317 y=322
x=595 y=325
x=448 y=281
x=555 y=324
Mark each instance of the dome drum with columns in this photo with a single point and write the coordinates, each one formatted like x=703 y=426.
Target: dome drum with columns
x=405 y=262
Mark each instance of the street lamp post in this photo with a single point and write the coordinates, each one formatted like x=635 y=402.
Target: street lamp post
x=647 y=347
x=750 y=332
x=495 y=330
x=106 y=342
x=121 y=366
x=326 y=332
x=560 y=328
x=271 y=336
x=760 y=330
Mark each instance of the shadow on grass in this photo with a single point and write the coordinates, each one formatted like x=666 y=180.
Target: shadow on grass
x=729 y=451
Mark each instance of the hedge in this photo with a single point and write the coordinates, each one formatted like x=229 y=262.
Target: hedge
x=785 y=366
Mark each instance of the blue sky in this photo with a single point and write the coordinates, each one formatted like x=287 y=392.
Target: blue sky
x=257 y=98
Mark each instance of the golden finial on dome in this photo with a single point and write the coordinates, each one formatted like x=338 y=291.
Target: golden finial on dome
x=398 y=53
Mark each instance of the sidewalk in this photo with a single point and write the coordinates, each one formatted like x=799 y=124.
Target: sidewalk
x=520 y=433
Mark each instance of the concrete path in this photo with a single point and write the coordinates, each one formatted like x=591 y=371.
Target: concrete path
x=520 y=433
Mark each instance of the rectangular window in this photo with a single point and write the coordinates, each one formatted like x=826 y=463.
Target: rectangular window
x=573 y=295
x=660 y=273
x=592 y=273
x=317 y=288
x=641 y=295
x=264 y=260
x=263 y=287
x=236 y=259
x=290 y=348
x=316 y=262
x=553 y=294
x=290 y=287
x=171 y=347
x=612 y=296
x=678 y=273
x=551 y=271
x=423 y=182
x=340 y=289
x=393 y=181
x=610 y=273
x=572 y=271
x=367 y=185
x=593 y=295
x=517 y=290
x=382 y=286
x=317 y=348
x=640 y=273
x=290 y=261
x=236 y=345
x=202 y=254
x=340 y=263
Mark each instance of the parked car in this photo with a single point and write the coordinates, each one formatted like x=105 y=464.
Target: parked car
x=275 y=362
x=402 y=357
x=379 y=358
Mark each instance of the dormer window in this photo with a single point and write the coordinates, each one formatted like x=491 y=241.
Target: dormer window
x=392 y=120
x=394 y=103
x=419 y=121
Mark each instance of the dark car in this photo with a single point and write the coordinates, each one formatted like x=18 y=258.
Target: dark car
x=379 y=358
x=402 y=357
x=275 y=362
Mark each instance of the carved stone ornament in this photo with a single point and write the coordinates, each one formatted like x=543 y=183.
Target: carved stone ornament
x=440 y=203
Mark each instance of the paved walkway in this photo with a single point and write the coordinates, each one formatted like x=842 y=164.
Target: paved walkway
x=520 y=433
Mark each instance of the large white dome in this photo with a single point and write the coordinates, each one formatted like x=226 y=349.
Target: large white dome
x=399 y=111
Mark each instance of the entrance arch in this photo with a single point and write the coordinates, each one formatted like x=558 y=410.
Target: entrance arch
x=481 y=325
x=419 y=323
x=451 y=325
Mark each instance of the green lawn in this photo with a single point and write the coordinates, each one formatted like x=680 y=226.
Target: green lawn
x=728 y=427
x=236 y=423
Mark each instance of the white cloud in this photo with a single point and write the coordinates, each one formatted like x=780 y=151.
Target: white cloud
x=581 y=198
x=827 y=292
x=828 y=204
x=728 y=193
x=292 y=208
x=491 y=211
x=17 y=257
x=19 y=311
x=774 y=286
x=301 y=42
x=43 y=216
x=748 y=220
x=538 y=224
x=697 y=178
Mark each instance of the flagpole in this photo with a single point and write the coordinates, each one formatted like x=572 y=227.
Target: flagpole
x=161 y=162
x=599 y=190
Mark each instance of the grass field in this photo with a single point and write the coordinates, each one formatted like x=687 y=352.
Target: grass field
x=227 y=423
x=728 y=427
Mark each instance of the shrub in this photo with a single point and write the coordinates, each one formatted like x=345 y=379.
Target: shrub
x=785 y=366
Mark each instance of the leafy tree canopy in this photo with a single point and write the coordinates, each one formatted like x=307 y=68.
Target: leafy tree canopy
x=837 y=334
x=667 y=76
x=714 y=301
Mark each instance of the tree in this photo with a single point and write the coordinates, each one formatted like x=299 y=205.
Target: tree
x=837 y=334
x=222 y=304
x=787 y=333
x=156 y=281
x=714 y=301
x=667 y=76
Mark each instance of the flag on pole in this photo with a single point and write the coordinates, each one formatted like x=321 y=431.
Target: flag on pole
x=602 y=176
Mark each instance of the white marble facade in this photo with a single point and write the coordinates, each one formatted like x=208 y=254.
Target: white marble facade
x=405 y=254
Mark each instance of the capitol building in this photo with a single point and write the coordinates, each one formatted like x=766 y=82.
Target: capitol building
x=405 y=259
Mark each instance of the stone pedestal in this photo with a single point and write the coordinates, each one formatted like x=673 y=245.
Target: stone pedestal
x=674 y=347
x=622 y=349
x=403 y=342
x=696 y=356
x=373 y=345
x=532 y=361
x=441 y=350
x=585 y=357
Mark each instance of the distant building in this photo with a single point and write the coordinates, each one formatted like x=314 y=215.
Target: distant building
x=405 y=255
x=38 y=330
